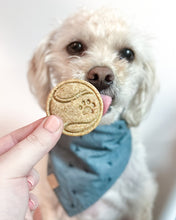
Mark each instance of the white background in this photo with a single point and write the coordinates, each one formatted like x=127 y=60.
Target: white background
x=24 y=23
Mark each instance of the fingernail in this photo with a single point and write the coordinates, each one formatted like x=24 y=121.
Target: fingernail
x=30 y=183
x=52 y=124
x=32 y=205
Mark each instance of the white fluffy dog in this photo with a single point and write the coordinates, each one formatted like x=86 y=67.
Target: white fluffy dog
x=104 y=49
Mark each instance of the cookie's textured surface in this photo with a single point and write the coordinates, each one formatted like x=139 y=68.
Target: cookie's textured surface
x=78 y=103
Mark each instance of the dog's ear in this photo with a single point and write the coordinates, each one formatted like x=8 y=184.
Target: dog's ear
x=38 y=73
x=143 y=98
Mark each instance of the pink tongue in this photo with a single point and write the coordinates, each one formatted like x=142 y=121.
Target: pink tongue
x=106 y=102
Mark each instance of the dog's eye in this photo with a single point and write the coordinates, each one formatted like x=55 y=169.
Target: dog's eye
x=75 y=48
x=127 y=53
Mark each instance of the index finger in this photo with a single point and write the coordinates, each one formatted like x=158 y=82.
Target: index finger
x=8 y=141
x=20 y=159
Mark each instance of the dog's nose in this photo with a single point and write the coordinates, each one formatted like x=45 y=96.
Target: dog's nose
x=101 y=77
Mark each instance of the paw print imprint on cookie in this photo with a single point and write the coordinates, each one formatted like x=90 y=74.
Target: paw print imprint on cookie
x=87 y=107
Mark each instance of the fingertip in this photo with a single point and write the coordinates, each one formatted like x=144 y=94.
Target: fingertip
x=53 y=124
x=33 y=202
x=32 y=179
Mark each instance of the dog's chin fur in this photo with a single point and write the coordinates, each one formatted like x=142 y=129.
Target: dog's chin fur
x=105 y=34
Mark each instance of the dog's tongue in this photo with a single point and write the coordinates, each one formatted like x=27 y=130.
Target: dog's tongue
x=106 y=102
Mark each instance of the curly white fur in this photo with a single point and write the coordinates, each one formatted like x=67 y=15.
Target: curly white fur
x=104 y=33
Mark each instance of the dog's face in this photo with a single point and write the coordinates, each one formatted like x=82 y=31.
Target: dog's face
x=102 y=48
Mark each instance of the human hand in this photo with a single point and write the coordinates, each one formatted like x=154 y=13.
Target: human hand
x=19 y=152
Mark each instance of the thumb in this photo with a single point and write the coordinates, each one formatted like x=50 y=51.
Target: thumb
x=20 y=159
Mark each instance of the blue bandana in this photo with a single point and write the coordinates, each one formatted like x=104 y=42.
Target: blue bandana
x=87 y=166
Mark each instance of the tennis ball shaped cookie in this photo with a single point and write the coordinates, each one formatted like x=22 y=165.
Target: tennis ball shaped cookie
x=78 y=103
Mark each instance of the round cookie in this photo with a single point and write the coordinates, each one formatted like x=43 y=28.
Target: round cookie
x=78 y=103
